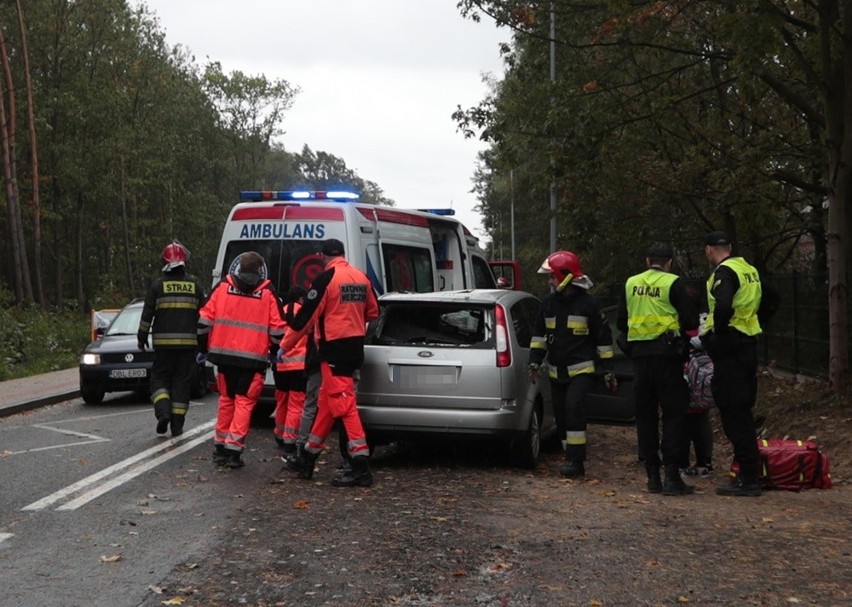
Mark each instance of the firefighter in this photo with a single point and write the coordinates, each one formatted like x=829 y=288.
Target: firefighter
x=655 y=312
x=238 y=328
x=290 y=380
x=573 y=332
x=339 y=304
x=172 y=300
x=738 y=304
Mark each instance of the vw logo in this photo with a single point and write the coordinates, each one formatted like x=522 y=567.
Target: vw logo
x=128 y=358
x=425 y=354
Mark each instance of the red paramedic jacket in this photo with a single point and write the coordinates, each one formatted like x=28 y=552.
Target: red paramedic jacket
x=340 y=302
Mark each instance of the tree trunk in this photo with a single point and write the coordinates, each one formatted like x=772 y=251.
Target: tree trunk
x=23 y=288
x=838 y=123
x=25 y=56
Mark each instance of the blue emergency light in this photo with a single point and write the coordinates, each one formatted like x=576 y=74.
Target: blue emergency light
x=330 y=195
x=445 y=212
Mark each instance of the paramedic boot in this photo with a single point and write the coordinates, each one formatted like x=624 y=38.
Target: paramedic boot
x=674 y=484
x=304 y=464
x=655 y=485
x=745 y=485
x=220 y=455
x=235 y=460
x=291 y=459
x=289 y=450
x=358 y=476
x=572 y=469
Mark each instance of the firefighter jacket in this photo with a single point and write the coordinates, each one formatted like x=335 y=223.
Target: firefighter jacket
x=656 y=313
x=340 y=303
x=241 y=324
x=573 y=332
x=734 y=294
x=294 y=358
x=170 y=312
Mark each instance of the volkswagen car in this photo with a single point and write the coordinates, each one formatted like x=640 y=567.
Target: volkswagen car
x=113 y=362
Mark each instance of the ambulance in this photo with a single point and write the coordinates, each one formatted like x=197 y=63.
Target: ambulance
x=400 y=250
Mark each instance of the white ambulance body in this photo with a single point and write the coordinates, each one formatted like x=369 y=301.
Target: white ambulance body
x=400 y=250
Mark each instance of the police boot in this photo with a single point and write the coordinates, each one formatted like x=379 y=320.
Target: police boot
x=655 y=485
x=176 y=422
x=745 y=485
x=674 y=484
x=572 y=469
x=358 y=476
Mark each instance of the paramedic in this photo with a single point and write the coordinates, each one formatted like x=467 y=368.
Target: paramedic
x=573 y=332
x=238 y=328
x=734 y=295
x=656 y=312
x=339 y=304
x=290 y=379
x=172 y=300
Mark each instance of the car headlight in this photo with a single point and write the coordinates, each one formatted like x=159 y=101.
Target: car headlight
x=90 y=359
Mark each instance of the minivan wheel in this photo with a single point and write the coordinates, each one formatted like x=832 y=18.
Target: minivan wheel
x=527 y=447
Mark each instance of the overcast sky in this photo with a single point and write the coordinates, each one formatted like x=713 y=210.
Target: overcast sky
x=379 y=82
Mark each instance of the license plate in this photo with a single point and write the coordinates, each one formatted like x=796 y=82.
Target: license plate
x=417 y=376
x=126 y=373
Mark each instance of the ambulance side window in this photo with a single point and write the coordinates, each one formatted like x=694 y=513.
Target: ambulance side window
x=483 y=277
x=408 y=268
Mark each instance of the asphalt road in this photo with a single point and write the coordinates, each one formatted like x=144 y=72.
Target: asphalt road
x=96 y=509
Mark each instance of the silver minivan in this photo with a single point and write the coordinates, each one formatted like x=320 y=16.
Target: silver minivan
x=454 y=363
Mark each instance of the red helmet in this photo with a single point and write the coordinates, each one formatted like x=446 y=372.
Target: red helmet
x=174 y=255
x=503 y=282
x=565 y=267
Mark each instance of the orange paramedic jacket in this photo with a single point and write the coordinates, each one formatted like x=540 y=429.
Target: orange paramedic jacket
x=239 y=326
x=340 y=303
x=294 y=357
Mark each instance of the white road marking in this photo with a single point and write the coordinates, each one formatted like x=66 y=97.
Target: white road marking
x=99 y=476
x=93 y=438
x=5 y=536
x=131 y=474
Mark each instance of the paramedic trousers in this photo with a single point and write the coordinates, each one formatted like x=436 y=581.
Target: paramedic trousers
x=337 y=400
x=661 y=387
x=239 y=390
x=171 y=381
x=569 y=409
x=734 y=387
x=290 y=389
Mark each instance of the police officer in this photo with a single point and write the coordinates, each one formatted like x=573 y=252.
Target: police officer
x=339 y=304
x=572 y=331
x=655 y=313
x=172 y=301
x=238 y=328
x=734 y=294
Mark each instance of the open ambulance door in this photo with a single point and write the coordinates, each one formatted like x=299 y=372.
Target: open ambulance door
x=509 y=269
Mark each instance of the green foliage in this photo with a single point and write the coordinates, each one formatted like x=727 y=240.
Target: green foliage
x=33 y=342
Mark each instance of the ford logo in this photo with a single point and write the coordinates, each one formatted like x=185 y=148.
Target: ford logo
x=128 y=358
x=425 y=354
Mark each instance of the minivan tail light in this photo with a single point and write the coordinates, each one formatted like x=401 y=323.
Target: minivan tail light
x=504 y=355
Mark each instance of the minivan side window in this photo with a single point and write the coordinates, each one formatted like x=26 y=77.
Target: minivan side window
x=408 y=268
x=522 y=321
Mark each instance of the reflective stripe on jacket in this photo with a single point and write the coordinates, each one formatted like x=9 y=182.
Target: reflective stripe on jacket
x=650 y=312
x=294 y=358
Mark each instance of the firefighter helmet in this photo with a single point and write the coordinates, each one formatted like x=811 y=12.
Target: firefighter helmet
x=174 y=255
x=565 y=267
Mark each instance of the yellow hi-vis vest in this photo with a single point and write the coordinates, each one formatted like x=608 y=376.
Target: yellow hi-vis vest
x=649 y=311
x=746 y=299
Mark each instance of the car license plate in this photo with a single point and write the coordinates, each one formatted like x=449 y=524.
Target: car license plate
x=421 y=376
x=126 y=373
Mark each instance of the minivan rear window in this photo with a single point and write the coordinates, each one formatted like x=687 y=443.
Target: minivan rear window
x=434 y=324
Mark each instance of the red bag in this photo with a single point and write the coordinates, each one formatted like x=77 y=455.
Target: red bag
x=791 y=464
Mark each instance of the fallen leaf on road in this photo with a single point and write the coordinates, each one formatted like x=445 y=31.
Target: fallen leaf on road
x=459 y=573
x=301 y=504
x=110 y=559
x=178 y=600
x=595 y=603
x=682 y=599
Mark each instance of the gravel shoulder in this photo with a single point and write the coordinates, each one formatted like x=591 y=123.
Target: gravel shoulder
x=452 y=526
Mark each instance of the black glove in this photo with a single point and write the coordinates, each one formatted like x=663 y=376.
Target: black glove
x=142 y=346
